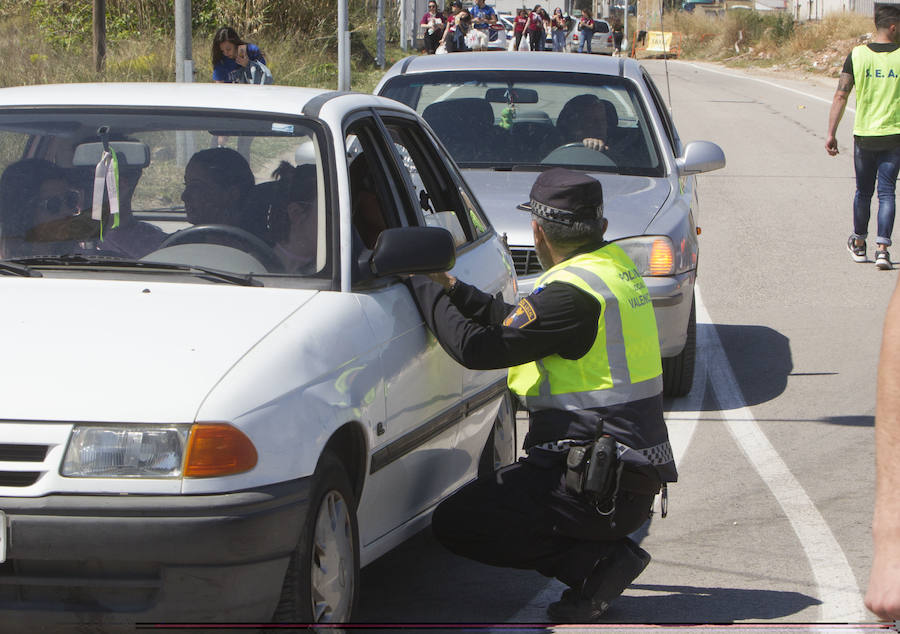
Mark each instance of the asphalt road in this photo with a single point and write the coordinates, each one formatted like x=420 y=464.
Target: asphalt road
x=769 y=522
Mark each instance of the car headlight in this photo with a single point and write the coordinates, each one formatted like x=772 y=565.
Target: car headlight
x=655 y=256
x=201 y=450
x=116 y=451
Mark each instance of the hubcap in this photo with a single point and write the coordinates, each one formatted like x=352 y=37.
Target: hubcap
x=332 y=565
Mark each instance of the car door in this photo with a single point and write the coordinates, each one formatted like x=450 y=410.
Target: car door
x=412 y=459
x=482 y=259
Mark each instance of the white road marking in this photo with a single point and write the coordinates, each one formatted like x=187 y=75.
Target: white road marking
x=837 y=587
x=761 y=81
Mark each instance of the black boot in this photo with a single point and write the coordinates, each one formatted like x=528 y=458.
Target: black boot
x=612 y=574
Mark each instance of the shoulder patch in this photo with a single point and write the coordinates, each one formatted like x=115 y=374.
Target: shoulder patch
x=522 y=315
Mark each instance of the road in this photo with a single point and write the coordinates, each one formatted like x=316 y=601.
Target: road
x=769 y=522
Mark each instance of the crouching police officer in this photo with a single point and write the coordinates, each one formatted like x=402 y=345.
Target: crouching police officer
x=583 y=353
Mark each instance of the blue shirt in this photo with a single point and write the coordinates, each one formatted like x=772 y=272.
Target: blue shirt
x=481 y=15
x=229 y=71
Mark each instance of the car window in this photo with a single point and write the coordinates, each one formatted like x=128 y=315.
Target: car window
x=521 y=120
x=432 y=188
x=238 y=194
x=376 y=198
x=601 y=26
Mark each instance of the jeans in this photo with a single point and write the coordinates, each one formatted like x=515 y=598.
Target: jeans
x=586 y=36
x=873 y=166
x=559 y=40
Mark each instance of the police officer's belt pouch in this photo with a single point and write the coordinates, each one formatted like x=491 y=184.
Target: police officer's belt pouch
x=592 y=470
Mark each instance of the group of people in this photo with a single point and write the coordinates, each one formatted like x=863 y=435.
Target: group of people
x=45 y=209
x=461 y=30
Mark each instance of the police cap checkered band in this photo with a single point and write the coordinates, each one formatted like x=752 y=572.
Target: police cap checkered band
x=565 y=196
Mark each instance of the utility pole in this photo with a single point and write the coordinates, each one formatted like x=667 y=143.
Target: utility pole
x=184 y=72
x=404 y=33
x=380 y=46
x=343 y=36
x=99 y=22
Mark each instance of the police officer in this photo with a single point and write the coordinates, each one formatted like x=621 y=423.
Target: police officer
x=874 y=69
x=583 y=356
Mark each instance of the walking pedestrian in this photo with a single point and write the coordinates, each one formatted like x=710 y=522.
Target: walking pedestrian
x=519 y=26
x=583 y=356
x=535 y=29
x=559 y=30
x=433 y=21
x=618 y=36
x=874 y=69
x=585 y=31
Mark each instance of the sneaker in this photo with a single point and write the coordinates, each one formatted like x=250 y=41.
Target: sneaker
x=857 y=252
x=883 y=260
x=610 y=577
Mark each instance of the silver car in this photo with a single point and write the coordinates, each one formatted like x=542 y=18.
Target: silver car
x=601 y=42
x=505 y=117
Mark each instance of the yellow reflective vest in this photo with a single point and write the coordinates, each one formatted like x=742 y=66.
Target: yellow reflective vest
x=877 y=80
x=623 y=364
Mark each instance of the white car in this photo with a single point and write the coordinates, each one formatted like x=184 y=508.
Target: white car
x=221 y=410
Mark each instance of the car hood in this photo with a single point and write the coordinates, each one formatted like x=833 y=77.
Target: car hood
x=122 y=351
x=630 y=202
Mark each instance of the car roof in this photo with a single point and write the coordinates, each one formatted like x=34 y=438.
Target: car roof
x=213 y=96
x=517 y=60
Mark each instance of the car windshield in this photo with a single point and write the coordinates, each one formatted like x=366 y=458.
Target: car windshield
x=243 y=195
x=534 y=120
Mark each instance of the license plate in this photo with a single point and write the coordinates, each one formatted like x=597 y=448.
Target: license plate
x=2 y=537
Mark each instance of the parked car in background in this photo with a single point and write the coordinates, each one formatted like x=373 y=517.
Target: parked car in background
x=601 y=42
x=223 y=407
x=506 y=117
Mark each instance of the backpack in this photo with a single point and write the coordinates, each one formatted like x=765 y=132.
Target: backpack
x=256 y=73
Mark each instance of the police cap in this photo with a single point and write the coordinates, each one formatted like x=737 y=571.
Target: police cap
x=565 y=196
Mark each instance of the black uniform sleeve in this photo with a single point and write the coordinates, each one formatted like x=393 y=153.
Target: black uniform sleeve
x=559 y=319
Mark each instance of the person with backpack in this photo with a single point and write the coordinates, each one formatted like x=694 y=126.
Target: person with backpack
x=456 y=40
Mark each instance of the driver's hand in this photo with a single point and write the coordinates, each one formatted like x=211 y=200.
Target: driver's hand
x=594 y=144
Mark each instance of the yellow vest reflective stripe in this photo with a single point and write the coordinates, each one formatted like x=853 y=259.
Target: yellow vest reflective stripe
x=622 y=365
x=877 y=79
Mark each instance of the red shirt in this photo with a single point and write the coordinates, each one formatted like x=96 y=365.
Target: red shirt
x=520 y=23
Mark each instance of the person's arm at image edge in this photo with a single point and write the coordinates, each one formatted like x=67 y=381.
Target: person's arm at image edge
x=883 y=596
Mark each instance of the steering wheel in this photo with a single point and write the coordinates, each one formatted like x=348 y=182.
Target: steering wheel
x=577 y=154
x=229 y=236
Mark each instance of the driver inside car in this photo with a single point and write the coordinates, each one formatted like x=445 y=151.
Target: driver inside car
x=583 y=120
x=216 y=183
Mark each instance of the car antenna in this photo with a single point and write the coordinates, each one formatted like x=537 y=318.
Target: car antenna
x=662 y=8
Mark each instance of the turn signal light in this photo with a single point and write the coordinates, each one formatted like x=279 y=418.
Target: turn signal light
x=218 y=449
x=661 y=258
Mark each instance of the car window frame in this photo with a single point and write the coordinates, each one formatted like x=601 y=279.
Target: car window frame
x=664 y=115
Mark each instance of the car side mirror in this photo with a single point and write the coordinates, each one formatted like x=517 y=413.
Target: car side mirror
x=699 y=157
x=412 y=250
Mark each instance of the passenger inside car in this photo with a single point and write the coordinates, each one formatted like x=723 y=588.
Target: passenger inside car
x=368 y=218
x=293 y=221
x=39 y=208
x=217 y=182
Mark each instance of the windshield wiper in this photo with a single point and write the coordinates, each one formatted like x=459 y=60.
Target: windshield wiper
x=15 y=268
x=116 y=262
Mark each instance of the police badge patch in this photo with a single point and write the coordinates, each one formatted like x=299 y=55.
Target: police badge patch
x=522 y=316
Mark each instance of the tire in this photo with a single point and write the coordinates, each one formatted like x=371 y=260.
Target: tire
x=678 y=371
x=500 y=448
x=321 y=584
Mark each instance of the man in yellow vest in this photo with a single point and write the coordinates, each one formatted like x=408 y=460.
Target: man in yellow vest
x=874 y=69
x=583 y=356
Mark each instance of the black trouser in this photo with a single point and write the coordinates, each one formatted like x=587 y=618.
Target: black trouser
x=524 y=518
x=519 y=39
x=432 y=41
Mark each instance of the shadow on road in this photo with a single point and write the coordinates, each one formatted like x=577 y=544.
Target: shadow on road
x=696 y=604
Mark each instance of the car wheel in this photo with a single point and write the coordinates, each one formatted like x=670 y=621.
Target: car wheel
x=500 y=448
x=678 y=371
x=322 y=580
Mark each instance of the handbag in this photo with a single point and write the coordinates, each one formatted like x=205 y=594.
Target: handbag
x=256 y=73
